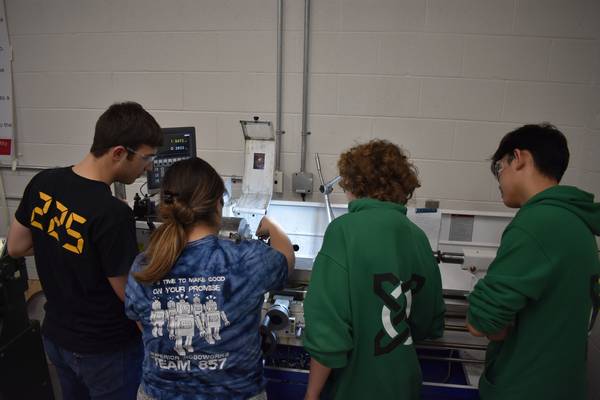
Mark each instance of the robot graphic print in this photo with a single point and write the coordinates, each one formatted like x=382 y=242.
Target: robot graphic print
x=191 y=310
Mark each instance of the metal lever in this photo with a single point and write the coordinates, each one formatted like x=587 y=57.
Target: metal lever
x=326 y=188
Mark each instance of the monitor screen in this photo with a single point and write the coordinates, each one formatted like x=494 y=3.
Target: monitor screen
x=179 y=144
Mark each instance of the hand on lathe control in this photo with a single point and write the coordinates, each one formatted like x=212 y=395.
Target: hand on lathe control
x=269 y=229
x=263 y=230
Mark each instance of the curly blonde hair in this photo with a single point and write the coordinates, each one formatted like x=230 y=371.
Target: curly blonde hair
x=379 y=170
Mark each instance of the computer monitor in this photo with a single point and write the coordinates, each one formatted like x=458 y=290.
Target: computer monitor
x=179 y=144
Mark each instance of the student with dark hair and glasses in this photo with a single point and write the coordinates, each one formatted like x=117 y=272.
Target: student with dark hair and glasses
x=539 y=298
x=84 y=242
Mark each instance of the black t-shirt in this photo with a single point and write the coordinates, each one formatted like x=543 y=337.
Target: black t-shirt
x=81 y=235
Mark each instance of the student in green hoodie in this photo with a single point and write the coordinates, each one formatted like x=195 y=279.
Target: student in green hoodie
x=539 y=298
x=375 y=285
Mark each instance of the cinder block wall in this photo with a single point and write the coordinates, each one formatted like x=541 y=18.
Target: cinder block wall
x=443 y=78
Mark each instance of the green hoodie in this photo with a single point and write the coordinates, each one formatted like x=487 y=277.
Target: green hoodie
x=544 y=285
x=373 y=262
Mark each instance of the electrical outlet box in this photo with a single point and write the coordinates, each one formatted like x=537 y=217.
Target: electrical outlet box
x=302 y=182
x=278 y=182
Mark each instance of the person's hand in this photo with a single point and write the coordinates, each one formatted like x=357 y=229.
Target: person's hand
x=263 y=228
x=499 y=336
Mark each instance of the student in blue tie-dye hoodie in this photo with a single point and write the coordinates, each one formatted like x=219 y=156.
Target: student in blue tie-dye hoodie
x=198 y=298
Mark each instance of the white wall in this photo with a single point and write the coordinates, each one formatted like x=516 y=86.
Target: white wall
x=443 y=78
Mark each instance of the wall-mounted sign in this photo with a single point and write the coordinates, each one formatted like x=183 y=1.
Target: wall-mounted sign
x=7 y=142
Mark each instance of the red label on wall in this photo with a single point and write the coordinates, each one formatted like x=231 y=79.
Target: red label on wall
x=5 y=147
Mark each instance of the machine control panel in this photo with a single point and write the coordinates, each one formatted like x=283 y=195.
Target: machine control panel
x=179 y=144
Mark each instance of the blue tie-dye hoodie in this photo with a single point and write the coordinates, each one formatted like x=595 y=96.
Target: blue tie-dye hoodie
x=200 y=322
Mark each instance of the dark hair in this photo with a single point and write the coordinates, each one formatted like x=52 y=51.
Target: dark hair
x=191 y=190
x=125 y=124
x=544 y=141
x=379 y=170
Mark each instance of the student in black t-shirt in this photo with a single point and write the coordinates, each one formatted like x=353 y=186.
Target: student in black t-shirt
x=84 y=243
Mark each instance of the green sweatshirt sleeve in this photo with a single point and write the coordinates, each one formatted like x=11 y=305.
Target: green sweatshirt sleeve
x=427 y=310
x=519 y=273
x=328 y=332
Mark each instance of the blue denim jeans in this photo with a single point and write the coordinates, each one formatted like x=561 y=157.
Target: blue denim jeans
x=105 y=376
